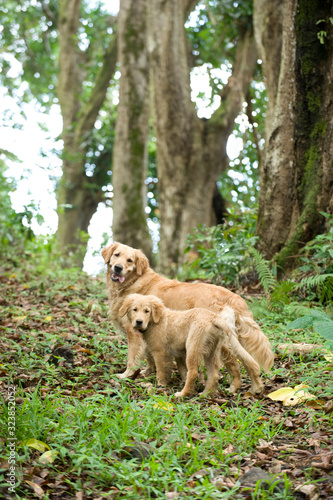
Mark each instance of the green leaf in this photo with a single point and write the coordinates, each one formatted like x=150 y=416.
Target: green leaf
x=324 y=328
x=320 y=315
x=303 y=322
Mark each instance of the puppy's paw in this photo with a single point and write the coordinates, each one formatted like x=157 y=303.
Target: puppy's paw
x=257 y=388
x=126 y=374
x=233 y=388
x=162 y=383
x=179 y=394
x=147 y=371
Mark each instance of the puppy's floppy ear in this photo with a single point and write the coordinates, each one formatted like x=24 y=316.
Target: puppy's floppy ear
x=108 y=251
x=142 y=263
x=157 y=307
x=125 y=307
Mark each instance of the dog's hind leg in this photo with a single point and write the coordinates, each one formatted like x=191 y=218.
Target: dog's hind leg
x=250 y=365
x=182 y=370
x=232 y=366
x=193 y=358
x=212 y=362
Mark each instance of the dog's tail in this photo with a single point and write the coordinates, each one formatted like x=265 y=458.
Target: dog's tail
x=254 y=341
x=226 y=322
x=250 y=336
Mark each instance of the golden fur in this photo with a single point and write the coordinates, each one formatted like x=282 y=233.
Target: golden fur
x=187 y=336
x=128 y=272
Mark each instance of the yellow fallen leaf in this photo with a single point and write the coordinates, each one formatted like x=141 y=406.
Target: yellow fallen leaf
x=290 y=396
x=48 y=318
x=298 y=397
x=88 y=351
x=281 y=394
x=11 y=276
x=26 y=286
x=34 y=443
x=164 y=406
x=49 y=456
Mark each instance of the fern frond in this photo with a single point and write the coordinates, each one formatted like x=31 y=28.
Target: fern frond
x=323 y=283
x=281 y=290
x=296 y=309
x=315 y=280
x=266 y=277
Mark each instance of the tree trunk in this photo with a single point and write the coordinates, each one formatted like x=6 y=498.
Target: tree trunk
x=78 y=194
x=190 y=151
x=130 y=151
x=296 y=182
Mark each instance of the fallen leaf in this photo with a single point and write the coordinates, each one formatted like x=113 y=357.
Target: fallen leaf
x=315 y=404
x=37 y=489
x=290 y=396
x=281 y=394
x=49 y=456
x=308 y=489
x=34 y=443
x=88 y=351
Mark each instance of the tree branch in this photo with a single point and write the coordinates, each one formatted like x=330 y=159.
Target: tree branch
x=90 y=111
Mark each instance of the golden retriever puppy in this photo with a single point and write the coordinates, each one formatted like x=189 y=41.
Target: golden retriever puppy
x=187 y=336
x=128 y=271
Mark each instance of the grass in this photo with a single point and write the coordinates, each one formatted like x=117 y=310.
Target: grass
x=197 y=449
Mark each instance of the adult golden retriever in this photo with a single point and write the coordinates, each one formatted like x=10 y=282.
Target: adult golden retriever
x=128 y=271
x=189 y=336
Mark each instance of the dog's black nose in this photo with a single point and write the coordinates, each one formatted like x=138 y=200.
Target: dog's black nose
x=139 y=322
x=118 y=268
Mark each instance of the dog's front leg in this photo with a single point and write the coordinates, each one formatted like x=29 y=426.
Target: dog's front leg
x=163 y=362
x=150 y=368
x=136 y=347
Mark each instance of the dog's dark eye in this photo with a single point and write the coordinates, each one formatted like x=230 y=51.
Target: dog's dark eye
x=129 y=260
x=117 y=254
x=147 y=311
x=135 y=309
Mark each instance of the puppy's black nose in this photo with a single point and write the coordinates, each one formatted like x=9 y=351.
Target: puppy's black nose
x=139 y=322
x=118 y=268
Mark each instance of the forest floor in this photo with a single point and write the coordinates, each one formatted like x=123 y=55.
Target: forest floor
x=80 y=432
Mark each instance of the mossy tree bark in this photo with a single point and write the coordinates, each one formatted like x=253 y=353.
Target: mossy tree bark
x=78 y=194
x=129 y=170
x=191 y=152
x=296 y=181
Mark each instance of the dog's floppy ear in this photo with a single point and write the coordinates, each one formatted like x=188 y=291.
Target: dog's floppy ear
x=125 y=307
x=156 y=309
x=141 y=262
x=108 y=251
